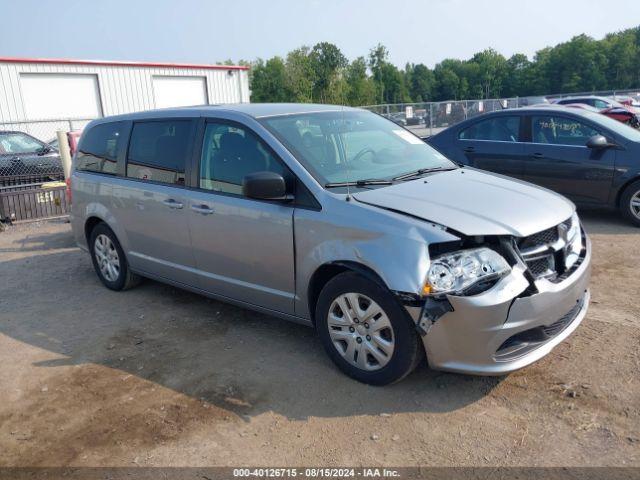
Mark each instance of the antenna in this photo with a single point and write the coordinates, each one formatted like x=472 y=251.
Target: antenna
x=344 y=149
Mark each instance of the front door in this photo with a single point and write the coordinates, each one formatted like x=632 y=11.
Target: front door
x=151 y=203
x=558 y=159
x=243 y=248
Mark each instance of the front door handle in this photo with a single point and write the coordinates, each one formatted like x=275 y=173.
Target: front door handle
x=469 y=149
x=203 y=209
x=538 y=155
x=171 y=203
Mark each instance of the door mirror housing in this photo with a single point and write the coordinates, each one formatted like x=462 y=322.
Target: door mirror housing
x=265 y=186
x=599 y=142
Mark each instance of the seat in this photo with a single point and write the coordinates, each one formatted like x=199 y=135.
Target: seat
x=237 y=157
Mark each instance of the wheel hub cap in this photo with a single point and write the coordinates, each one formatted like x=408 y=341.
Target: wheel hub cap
x=107 y=258
x=361 y=331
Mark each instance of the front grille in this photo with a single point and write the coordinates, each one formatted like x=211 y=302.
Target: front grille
x=541 y=266
x=542 y=251
x=544 y=237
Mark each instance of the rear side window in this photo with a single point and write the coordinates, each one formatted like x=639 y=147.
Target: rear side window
x=158 y=151
x=99 y=148
x=497 y=129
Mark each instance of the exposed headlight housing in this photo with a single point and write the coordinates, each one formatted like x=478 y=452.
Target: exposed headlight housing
x=574 y=242
x=457 y=271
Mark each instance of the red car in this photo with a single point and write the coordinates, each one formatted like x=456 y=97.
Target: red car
x=606 y=106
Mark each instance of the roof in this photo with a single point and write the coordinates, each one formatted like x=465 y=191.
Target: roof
x=542 y=107
x=259 y=110
x=255 y=110
x=64 y=61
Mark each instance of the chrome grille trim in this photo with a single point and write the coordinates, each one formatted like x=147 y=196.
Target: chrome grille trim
x=539 y=250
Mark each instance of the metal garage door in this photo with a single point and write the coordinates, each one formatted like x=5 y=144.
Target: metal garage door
x=174 y=91
x=59 y=95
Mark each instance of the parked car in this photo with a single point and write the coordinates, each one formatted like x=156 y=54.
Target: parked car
x=606 y=106
x=398 y=117
x=338 y=219
x=624 y=115
x=530 y=101
x=631 y=101
x=588 y=157
x=22 y=155
x=595 y=101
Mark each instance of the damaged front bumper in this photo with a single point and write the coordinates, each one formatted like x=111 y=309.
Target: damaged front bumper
x=506 y=327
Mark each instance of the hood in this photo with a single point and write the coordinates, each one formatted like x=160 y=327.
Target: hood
x=474 y=203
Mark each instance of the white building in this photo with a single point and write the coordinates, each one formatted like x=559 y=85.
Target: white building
x=41 y=96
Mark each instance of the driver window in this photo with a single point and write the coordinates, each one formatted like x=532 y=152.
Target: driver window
x=229 y=153
x=560 y=130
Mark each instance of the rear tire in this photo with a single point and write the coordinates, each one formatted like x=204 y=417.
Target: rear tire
x=109 y=260
x=365 y=331
x=630 y=203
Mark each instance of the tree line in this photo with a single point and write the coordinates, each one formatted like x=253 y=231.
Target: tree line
x=322 y=73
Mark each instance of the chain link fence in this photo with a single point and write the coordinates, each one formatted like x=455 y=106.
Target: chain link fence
x=31 y=173
x=429 y=118
x=29 y=151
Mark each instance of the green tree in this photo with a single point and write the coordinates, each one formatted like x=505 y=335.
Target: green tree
x=490 y=73
x=518 y=76
x=299 y=75
x=268 y=81
x=421 y=83
x=327 y=62
x=360 y=87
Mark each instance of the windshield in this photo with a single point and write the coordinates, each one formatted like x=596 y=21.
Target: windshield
x=18 y=143
x=352 y=146
x=616 y=126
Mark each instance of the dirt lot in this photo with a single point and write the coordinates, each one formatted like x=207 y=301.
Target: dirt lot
x=159 y=376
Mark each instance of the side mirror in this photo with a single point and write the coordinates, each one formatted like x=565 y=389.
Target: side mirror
x=265 y=186
x=598 y=142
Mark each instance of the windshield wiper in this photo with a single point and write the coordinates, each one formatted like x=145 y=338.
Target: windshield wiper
x=359 y=183
x=422 y=171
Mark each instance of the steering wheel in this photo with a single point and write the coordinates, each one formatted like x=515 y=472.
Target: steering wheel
x=362 y=153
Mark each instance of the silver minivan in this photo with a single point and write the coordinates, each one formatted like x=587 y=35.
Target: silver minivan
x=340 y=219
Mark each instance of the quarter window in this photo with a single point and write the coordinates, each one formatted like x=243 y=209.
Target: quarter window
x=158 y=150
x=497 y=129
x=560 y=130
x=229 y=153
x=100 y=147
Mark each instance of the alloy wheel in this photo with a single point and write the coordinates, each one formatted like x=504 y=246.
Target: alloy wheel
x=634 y=204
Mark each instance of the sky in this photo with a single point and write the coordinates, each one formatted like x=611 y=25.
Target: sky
x=208 y=31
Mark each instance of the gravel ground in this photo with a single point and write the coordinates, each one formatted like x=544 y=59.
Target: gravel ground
x=157 y=376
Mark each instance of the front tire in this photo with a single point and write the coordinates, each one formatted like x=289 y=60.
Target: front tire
x=109 y=260
x=365 y=331
x=630 y=203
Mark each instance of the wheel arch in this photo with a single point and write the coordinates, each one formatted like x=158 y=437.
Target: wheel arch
x=624 y=187
x=91 y=223
x=325 y=272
